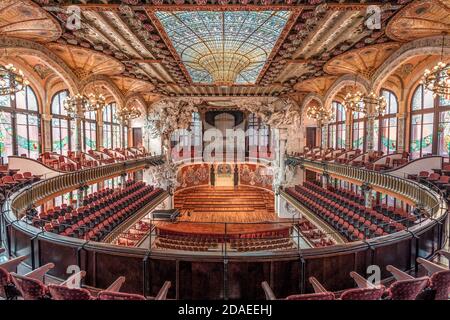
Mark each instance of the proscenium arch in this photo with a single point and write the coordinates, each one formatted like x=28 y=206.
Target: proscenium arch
x=342 y=82
x=15 y=46
x=420 y=47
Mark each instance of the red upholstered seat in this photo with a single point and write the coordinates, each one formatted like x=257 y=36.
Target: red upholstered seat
x=407 y=289
x=363 y=294
x=32 y=289
x=109 y=295
x=5 y=281
x=312 y=296
x=66 y=293
x=440 y=283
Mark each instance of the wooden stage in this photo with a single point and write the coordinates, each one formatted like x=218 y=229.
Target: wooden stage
x=214 y=211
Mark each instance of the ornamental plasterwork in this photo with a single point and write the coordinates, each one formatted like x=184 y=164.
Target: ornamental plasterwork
x=53 y=61
x=277 y=113
x=168 y=115
x=165 y=176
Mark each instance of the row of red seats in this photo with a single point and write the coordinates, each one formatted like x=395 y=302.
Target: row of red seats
x=97 y=224
x=353 y=224
x=98 y=217
x=357 y=204
x=314 y=235
x=434 y=286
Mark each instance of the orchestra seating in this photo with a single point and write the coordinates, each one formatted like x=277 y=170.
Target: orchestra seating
x=314 y=235
x=135 y=234
x=346 y=212
x=100 y=214
x=434 y=286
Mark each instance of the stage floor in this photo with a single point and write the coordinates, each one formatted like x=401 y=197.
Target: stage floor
x=220 y=210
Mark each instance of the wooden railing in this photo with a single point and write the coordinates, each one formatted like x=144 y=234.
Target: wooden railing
x=410 y=191
x=44 y=189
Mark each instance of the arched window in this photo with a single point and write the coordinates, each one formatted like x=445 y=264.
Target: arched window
x=336 y=131
x=112 y=136
x=386 y=135
x=63 y=128
x=19 y=125
x=430 y=124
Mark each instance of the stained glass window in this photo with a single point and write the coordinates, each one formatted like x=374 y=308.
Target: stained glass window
x=19 y=125
x=388 y=124
x=337 y=129
x=63 y=138
x=421 y=135
x=112 y=134
x=224 y=47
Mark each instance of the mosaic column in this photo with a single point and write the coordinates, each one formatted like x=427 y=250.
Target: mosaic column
x=401 y=122
x=78 y=116
x=324 y=128
x=368 y=198
x=47 y=132
x=370 y=132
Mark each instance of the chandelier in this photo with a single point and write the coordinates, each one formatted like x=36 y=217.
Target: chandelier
x=319 y=113
x=356 y=101
x=437 y=80
x=127 y=113
x=12 y=80
x=80 y=103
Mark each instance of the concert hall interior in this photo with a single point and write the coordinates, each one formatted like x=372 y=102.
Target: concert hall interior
x=224 y=149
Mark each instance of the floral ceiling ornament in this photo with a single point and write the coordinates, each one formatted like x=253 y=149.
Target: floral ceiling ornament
x=168 y=115
x=165 y=176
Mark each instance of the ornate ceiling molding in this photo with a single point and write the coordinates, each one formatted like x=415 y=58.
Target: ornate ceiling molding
x=420 y=19
x=342 y=82
x=104 y=81
x=16 y=47
x=426 y=46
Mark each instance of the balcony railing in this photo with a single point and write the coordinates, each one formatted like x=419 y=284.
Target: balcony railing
x=415 y=193
x=47 y=188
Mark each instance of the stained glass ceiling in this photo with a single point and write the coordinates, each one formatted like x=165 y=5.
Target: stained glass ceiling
x=223 y=48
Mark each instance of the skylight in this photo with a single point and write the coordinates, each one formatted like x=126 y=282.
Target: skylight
x=223 y=48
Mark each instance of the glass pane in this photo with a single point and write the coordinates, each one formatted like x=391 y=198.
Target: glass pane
x=428 y=99
x=60 y=136
x=417 y=99
x=5 y=101
x=31 y=100
x=376 y=134
x=21 y=101
x=27 y=135
x=6 y=136
x=444 y=134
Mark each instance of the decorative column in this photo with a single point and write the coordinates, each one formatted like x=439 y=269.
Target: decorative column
x=370 y=127
x=78 y=116
x=368 y=198
x=80 y=192
x=47 y=132
x=325 y=178
x=348 y=131
x=324 y=128
x=279 y=174
x=401 y=124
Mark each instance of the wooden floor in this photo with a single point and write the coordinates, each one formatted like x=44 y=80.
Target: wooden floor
x=205 y=210
x=225 y=204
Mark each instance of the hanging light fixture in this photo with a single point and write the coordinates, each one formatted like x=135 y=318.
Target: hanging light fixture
x=319 y=113
x=127 y=113
x=12 y=80
x=81 y=103
x=356 y=101
x=437 y=80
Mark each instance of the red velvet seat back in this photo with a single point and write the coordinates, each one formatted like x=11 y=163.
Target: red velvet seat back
x=363 y=294
x=312 y=296
x=108 y=295
x=440 y=282
x=408 y=289
x=66 y=293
